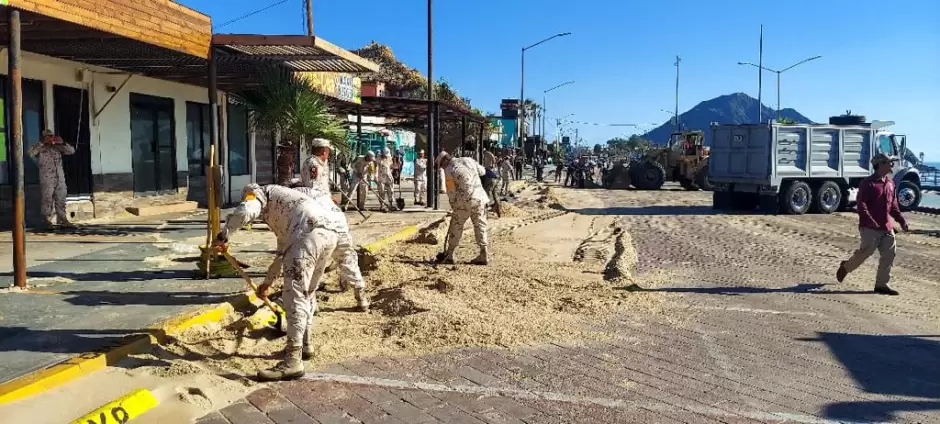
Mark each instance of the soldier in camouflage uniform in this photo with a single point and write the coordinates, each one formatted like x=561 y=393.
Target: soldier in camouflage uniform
x=308 y=234
x=421 y=178
x=48 y=153
x=468 y=200
x=385 y=180
x=315 y=172
x=363 y=175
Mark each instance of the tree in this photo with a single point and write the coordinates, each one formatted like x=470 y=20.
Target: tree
x=626 y=146
x=597 y=149
x=289 y=105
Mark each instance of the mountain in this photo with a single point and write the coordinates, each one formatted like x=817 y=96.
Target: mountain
x=737 y=108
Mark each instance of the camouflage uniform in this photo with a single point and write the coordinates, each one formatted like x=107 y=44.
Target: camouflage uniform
x=505 y=174
x=315 y=173
x=384 y=179
x=421 y=180
x=308 y=233
x=468 y=200
x=363 y=175
x=52 y=179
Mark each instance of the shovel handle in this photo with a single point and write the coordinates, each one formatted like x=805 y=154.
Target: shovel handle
x=231 y=260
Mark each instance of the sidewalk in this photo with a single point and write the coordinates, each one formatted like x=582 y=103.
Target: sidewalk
x=92 y=289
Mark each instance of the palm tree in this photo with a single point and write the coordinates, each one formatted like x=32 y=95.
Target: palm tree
x=288 y=104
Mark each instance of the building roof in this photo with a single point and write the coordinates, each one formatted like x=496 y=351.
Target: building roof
x=404 y=108
x=176 y=51
x=297 y=52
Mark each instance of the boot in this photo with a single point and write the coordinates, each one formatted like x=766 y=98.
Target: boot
x=482 y=258
x=292 y=367
x=362 y=302
x=307 y=353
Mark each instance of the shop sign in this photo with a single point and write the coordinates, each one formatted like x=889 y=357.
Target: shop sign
x=346 y=87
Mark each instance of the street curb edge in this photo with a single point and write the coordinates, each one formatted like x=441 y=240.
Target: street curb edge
x=81 y=365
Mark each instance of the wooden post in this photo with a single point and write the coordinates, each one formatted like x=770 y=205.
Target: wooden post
x=16 y=132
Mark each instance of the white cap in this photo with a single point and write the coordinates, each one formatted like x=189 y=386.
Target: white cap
x=321 y=142
x=370 y=154
x=386 y=151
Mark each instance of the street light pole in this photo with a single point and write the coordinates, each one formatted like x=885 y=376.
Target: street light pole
x=779 y=72
x=678 y=59
x=545 y=102
x=522 y=85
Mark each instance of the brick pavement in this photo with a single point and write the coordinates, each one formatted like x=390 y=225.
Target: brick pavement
x=752 y=338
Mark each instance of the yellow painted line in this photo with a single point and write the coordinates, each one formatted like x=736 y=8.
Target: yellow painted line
x=402 y=234
x=122 y=409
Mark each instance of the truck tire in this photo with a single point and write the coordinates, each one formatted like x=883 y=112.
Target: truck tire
x=847 y=120
x=828 y=197
x=650 y=176
x=796 y=199
x=721 y=200
x=909 y=196
x=745 y=202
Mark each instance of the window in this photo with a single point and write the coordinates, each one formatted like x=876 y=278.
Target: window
x=239 y=152
x=885 y=145
x=34 y=121
x=198 y=138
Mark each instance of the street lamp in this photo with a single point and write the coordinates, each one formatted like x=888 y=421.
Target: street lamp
x=522 y=84
x=778 y=75
x=545 y=100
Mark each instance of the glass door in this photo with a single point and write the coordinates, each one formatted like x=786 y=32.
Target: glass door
x=153 y=144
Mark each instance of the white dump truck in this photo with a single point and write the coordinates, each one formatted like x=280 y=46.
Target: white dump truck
x=800 y=168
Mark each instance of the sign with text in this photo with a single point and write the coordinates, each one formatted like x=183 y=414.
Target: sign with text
x=510 y=108
x=346 y=87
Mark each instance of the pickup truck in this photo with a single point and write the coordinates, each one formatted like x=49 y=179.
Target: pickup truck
x=800 y=168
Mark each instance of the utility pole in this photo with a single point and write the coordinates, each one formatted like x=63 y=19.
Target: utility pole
x=760 y=77
x=310 y=18
x=433 y=171
x=678 y=59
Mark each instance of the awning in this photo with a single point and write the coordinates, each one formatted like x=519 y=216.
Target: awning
x=404 y=108
x=296 y=52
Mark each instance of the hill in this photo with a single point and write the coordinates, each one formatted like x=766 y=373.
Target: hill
x=737 y=108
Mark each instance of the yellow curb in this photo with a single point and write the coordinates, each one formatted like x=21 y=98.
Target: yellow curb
x=400 y=235
x=39 y=381
x=122 y=409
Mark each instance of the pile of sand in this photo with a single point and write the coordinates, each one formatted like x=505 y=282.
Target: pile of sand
x=418 y=307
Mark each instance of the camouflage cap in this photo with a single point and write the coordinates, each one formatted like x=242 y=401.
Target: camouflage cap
x=882 y=158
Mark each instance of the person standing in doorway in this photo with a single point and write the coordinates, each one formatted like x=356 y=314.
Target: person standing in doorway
x=877 y=204
x=48 y=153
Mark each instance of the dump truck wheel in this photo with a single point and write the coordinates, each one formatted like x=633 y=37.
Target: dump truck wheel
x=650 y=176
x=828 y=197
x=797 y=198
x=908 y=195
x=721 y=200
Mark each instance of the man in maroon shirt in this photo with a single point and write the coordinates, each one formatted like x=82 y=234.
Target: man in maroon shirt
x=877 y=204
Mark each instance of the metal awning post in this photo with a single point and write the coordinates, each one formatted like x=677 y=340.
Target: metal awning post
x=437 y=145
x=359 y=130
x=16 y=132
x=463 y=134
x=480 y=145
x=215 y=195
x=433 y=173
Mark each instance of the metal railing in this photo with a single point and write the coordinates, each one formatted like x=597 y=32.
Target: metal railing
x=930 y=180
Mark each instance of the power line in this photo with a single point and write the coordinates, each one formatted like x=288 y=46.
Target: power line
x=250 y=14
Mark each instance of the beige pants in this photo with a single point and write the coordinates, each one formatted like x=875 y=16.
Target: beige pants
x=872 y=240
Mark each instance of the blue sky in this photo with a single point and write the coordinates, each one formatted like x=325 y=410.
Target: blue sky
x=880 y=59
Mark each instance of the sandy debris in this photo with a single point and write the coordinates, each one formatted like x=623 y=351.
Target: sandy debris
x=420 y=308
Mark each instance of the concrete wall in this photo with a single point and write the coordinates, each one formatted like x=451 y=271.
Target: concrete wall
x=111 y=162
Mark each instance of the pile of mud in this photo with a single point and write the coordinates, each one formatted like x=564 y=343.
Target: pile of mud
x=419 y=307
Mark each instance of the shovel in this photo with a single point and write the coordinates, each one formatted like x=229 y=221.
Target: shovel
x=400 y=201
x=279 y=324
